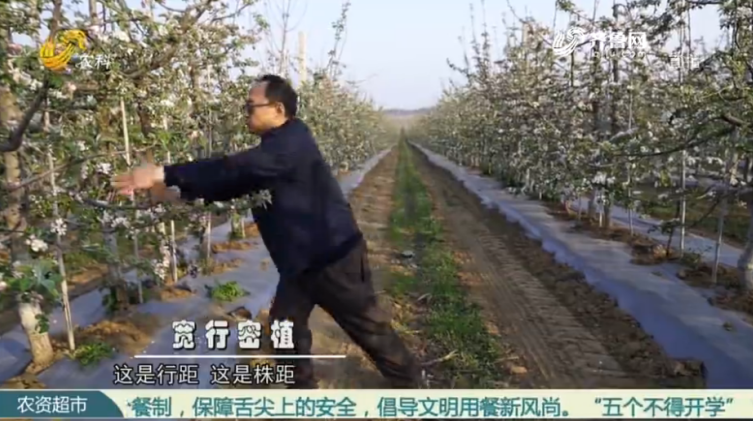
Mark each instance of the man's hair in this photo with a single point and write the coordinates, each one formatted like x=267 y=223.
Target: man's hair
x=279 y=90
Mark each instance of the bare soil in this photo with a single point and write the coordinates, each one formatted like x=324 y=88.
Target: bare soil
x=224 y=266
x=231 y=245
x=728 y=293
x=565 y=334
x=171 y=293
x=129 y=333
x=24 y=381
x=251 y=230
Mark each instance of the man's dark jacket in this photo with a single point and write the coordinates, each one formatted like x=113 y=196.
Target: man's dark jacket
x=309 y=223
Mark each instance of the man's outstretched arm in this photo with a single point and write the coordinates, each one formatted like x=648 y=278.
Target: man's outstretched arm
x=221 y=179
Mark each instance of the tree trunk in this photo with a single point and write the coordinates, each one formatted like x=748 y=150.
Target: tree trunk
x=15 y=222
x=165 y=255
x=116 y=281
x=173 y=245
x=235 y=229
x=206 y=240
x=591 y=213
x=93 y=12
x=59 y=253
x=129 y=162
x=731 y=170
x=9 y=115
x=39 y=342
x=745 y=263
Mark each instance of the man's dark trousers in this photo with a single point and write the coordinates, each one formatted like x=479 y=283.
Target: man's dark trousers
x=344 y=289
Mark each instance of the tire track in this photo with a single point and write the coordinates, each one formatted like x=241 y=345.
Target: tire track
x=521 y=288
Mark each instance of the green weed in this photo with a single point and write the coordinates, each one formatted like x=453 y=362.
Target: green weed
x=225 y=292
x=452 y=322
x=93 y=353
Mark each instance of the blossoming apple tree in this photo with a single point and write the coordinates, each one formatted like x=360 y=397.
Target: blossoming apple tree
x=593 y=124
x=157 y=83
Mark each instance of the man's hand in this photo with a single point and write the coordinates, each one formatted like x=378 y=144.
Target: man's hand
x=141 y=178
x=160 y=193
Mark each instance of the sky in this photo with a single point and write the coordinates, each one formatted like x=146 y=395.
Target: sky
x=398 y=49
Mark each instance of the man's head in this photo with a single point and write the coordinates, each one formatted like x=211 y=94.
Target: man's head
x=270 y=103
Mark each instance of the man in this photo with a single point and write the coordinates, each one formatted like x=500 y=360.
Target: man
x=309 y=229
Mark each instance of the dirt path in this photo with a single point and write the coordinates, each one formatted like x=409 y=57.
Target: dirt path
x=372 y=203
x=569 y=335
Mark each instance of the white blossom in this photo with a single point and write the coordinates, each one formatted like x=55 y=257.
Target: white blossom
x=106 y=218
x=159 y=268
x=599 y=178
x=120 y=35
x=104 y=168
x=36 y=244
x=23 y=78
x=16 y=270
x=59 y=227
x=57 y=94
x=120 y=221
x=261 y=199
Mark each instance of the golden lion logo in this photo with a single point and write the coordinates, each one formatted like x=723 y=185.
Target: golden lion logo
x=72 y=41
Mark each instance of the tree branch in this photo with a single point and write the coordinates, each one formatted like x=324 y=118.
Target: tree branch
x=16 y=137
x=186 y=22
x=41 y=176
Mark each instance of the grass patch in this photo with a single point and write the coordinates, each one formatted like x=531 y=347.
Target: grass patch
x=225 y=292
x=451 y=322
x=93 y=353
x=402 y=284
